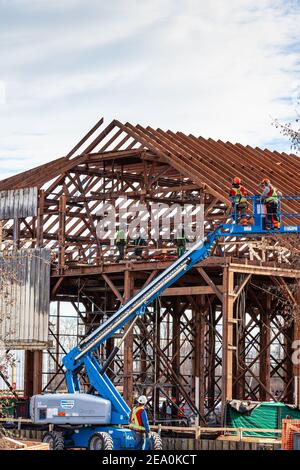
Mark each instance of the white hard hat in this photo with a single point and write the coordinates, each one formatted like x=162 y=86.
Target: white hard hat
x=142 y=400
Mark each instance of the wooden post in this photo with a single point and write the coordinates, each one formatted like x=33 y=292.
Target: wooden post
x=33 y=373
x=228 y=347
x=176 y=348
x=62 y=231
x=157 y=364
x=264 y=360
x=110 y=343
x=1 y=234
x=296 y=354
x=289 y=367
x=211 y=366
x=199 y=355
x=28 y=378
x=37 y=371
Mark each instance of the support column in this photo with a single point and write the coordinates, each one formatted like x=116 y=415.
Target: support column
x=176 y=348
x=296 y=356
x=199 y=355
x=62 y=231
x=264 y=360
x=156 y=358
x=239 y=388
x=110 y=343
x=33 y=373
x=228 y=347
x=128 y=344
x=289 y=386
x=211 y=359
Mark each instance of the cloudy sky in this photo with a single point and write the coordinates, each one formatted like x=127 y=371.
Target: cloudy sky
x=222 y=69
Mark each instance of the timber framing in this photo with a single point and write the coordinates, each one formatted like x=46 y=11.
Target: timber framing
x=226 y=329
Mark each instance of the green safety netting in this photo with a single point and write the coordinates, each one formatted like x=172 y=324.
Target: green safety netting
x=264 y=415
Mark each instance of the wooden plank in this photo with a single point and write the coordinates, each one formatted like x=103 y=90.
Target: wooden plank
x=204 y=444
x=218 y=445
x=182 y=291
x=211 y=444
x=227 y=348
x=296 y=337
x=264 y=270
x=207 y=429
x=14 y=441
x=226 y=445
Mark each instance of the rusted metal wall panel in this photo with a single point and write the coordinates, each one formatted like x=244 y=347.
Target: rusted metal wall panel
x=18 y=203
x=24 y=298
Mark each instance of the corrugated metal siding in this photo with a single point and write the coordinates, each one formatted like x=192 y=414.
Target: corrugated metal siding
x=18 y=203
x=26 y=308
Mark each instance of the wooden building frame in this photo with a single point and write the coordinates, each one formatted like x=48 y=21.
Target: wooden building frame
x=226 y=330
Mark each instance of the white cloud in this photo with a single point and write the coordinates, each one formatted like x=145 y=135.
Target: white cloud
x=221 y=69
x=2 y=93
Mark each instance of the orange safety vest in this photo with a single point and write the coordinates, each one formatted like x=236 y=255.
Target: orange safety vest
x=239 y=195
x=136 y=422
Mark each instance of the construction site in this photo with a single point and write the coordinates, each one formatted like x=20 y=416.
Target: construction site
x=212 y=346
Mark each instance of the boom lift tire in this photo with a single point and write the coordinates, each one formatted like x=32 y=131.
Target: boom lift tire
x=55 y=440
x=101 y=441
x=156 y=441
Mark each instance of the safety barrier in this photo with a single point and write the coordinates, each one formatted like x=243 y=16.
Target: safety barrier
x=255 y=210
x=289 y=427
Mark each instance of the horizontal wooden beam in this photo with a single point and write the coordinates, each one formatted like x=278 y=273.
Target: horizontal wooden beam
x=264 y=270
x=131 y=266
x=192 y=290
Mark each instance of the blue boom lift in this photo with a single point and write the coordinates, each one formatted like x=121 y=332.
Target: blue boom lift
x=99 y=420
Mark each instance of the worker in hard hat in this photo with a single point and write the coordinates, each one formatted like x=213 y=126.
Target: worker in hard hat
x=181 y=242
x=270 y=198
x=121 y=242
x=139 y=421
x=238 y=197
x=139 y=243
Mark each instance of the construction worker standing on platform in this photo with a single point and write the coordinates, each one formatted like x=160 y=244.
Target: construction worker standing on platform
x=139 y=421
x=181 y=242
x=139 y=243
x=238 y=197
x=270 y=197
x=121 y=242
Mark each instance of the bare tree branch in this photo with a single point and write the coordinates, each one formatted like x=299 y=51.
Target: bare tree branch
x=291 y=130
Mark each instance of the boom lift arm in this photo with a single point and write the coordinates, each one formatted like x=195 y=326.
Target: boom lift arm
x=82 y=355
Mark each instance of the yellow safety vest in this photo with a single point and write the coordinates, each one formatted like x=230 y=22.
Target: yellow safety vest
x=120 y=236
x=239 y=195
x=135 y=422
x=273 y=196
